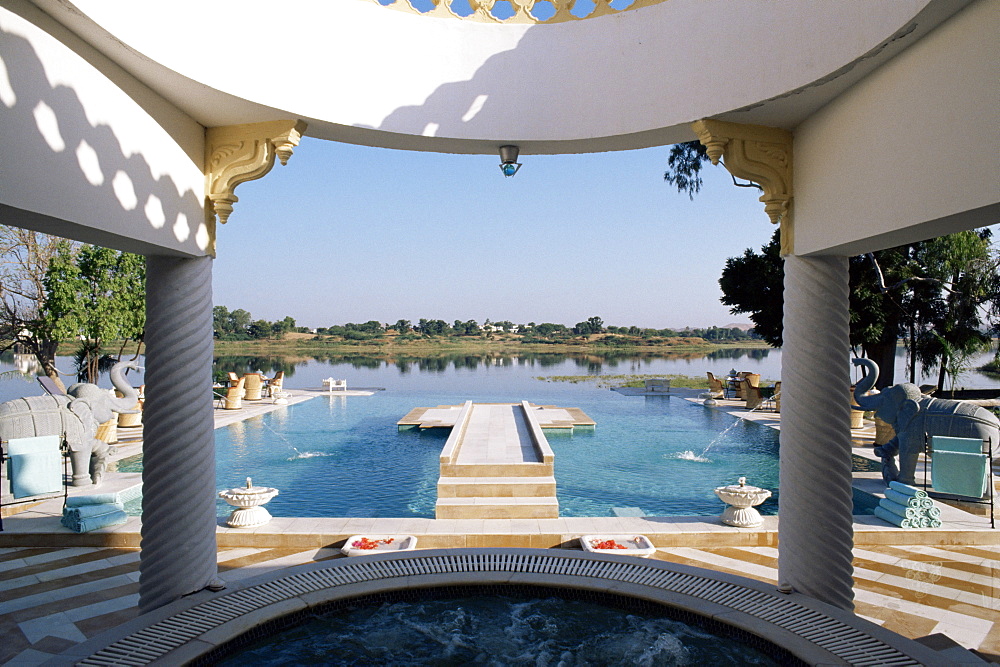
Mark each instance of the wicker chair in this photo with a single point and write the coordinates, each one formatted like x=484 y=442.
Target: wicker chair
x=233 y=398
x=751 y=394
x=254 y=387
x=275 y=385
x=715 y=386
x=108 y=431
x=777 y=396
x=131 y=421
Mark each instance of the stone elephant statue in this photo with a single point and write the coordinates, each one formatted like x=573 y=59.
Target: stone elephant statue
x=915 y=417
x=74 y=418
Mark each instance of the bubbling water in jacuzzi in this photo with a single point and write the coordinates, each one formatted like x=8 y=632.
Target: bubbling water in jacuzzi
x=496 y=630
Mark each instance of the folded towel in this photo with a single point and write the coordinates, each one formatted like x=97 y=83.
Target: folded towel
x=91 y=517
x=83 y=525
x=907 y=489
x=926 y=503
x=903 y=499
x=960 y=473
x=894 y=519
x=97 y=499
x=935 y=523
x=85 y=511
x=899 y=510
x=925 y=522
x=35 y=473
x=933 y=512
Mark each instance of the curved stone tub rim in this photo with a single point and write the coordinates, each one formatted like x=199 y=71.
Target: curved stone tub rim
x=200 y=624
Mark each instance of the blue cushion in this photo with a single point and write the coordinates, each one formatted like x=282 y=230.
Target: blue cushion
x=35 y=473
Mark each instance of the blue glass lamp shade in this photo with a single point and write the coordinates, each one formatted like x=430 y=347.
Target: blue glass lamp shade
x=510 y=168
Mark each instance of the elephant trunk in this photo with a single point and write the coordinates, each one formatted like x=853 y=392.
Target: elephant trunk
x=869 y=403
x=131 y=396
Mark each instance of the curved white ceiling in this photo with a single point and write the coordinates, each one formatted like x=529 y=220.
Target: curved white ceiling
x=358 y=72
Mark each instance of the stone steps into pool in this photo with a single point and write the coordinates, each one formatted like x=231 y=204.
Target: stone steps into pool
x=496 y=487
x=496 y=507
x=497 y=464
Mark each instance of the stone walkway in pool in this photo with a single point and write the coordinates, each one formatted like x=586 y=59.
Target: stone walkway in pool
x=58 y=588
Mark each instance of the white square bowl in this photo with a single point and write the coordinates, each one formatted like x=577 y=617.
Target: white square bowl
x=635 y=545
x=399 y=543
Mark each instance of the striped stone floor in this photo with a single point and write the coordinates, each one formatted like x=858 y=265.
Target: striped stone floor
x=53 y=598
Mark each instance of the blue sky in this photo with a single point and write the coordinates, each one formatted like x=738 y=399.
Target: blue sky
x=348 y=234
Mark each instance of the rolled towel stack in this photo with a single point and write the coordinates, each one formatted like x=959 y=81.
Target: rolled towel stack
x=86 y=513
x=908 y=507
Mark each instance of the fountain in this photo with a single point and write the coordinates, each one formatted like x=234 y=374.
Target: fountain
x=248 y=502
x=741 y=500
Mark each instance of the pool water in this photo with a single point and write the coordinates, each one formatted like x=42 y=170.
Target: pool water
x=343 y=455
x=496 y=630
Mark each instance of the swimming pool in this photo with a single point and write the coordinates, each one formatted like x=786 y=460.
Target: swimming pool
x=343 y=456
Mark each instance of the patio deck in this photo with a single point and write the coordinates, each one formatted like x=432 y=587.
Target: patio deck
x=60 y=588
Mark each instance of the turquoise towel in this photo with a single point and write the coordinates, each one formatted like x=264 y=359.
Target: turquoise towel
x=894 y=519
x=92 y=517
x=33 y=444
x=97 y=499
x=907 y=489
x=35 y=473
x=943 y=443
x=84 y=525
x=935 y=523
x=960 y=473
x=933 y=512
x=899 y=510
x=903 y=499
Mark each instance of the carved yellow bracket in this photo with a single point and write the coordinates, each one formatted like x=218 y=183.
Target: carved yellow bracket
x=236 y=154
x=759 y=154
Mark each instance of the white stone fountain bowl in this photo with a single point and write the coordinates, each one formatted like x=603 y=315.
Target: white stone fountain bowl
x=399 y=543
x=742 y=496
x=635 y=545
x=248 y=497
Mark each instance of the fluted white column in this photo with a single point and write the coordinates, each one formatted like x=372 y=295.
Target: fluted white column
x=815 y=533
x=178 y=506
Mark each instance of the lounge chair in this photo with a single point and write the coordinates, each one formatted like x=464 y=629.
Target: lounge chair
x=657 y=385
x=332 y=384
x=253 y=386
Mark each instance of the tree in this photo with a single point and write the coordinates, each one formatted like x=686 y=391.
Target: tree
x=753 y=284
x=684 y=167
x=259 y=329
x=24 y=260
x=239 y=322
x=282 y=327
x=98 y=295
x=933 y=292
x=402 y=326
x=964 y=269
